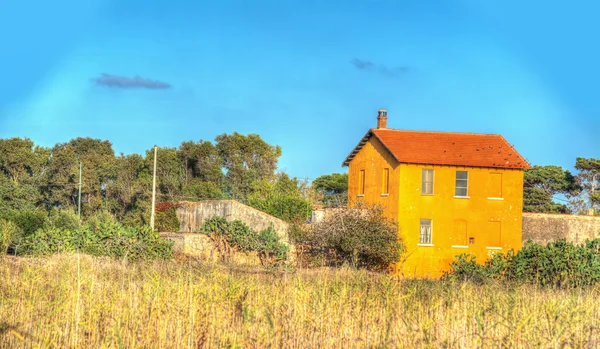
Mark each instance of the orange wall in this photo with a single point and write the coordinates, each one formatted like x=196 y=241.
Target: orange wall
x=494 y=225
x=373 y=158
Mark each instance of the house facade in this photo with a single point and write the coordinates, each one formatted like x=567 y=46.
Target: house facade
x=451 y=193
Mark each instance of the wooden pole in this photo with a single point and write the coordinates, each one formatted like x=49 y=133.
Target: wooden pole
x=79 y=196
x=153 y=189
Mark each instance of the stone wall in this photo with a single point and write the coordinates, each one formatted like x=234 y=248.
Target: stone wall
x=542 y=228
x=200 y=246
x=193 y=214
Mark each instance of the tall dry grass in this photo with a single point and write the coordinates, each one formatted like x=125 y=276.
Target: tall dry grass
x=76 y=301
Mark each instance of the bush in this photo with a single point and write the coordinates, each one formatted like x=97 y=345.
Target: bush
x=167 y=221
x=63 y=219
x=289 y=208
x=558 y=264
x=229 y=237
x=8 y=232
x=361 y=236
x=29 y=220
x=106 y=239
x=99 y=219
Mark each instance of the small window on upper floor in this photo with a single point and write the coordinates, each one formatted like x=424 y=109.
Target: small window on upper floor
x=361 y=182
x=462 y=184
x=385 y=187
x=427 y=182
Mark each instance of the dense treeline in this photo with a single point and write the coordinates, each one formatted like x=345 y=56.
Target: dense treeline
x=235 y=166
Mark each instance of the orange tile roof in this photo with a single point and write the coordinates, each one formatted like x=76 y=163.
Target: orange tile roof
x=446 y=148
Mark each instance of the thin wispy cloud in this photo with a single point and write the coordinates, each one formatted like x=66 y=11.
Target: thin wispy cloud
x=118 y=81
x=382 y=69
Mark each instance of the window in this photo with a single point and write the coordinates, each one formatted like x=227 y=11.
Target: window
x=462 y=183
x=425 y=238
x=427 y=182
x=495 y=186
x=361 y=182
x=386 y=181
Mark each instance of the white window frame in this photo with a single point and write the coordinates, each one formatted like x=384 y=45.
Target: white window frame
x=424 y=181
x=456 y=187
x=428 y=242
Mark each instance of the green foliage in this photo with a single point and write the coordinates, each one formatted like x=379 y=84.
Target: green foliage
x=541 y=183
x=334 y=188
x=246 y=159
x=282 y=198
x=29 y=220
x=107 y=239
x=362 y=236
x=99 y=219
x=8 y=232
x=229 y=237
x=589 y=180
x=558 y=264
x=167 y=221
x=63 y=219
x=288 y=208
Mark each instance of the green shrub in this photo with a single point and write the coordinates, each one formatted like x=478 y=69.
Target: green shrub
x=361 y=236
x=167 y=221
x=289 y=208
x=100 y=219
x=8 y=232
x=558 y=264
x=29 y=220
x=106 y=239
x=229 y=237
x=269 y=247
x=63 y=219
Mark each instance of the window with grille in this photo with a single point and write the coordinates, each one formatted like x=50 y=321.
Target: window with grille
x=427 y=182
x=425 y=237
x=462 y=183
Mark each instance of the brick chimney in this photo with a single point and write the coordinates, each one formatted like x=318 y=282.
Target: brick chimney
x=382 y=119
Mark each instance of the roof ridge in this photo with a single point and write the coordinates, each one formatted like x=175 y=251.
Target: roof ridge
x=450 y=132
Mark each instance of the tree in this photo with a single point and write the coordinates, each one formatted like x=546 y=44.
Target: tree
x=170 y=173
x=334 y=188
x=542 y=183
x=282 y=197
x=98 y=171
x=246 y=159
x=588 y=179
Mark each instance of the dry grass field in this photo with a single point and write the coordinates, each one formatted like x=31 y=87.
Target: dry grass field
x=77 y=301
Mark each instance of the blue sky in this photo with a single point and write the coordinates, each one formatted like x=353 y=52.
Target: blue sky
x=287 y=71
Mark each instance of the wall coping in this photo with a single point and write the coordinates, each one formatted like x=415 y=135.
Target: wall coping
x=561 y=216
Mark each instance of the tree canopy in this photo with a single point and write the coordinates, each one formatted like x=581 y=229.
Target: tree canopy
x=235 y=166
x=542 y=183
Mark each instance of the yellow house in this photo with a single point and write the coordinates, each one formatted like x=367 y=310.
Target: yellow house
x=451 y=193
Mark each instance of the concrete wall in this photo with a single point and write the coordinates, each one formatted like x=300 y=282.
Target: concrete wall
x=200 y=246
x=193 y=214
x=542 y=228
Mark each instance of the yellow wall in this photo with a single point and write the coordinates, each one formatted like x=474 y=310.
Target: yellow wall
x=374 y=158
x=490 y=222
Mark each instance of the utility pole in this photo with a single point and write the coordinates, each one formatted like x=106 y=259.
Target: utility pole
x=153 y=189
x=79 y=196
